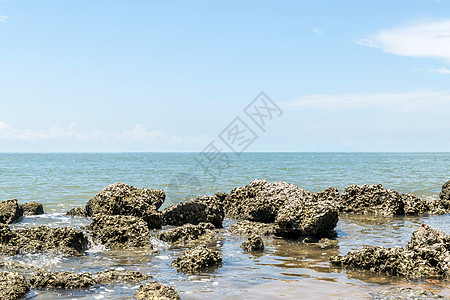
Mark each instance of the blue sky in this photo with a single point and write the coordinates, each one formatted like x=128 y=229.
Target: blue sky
x=171 y=75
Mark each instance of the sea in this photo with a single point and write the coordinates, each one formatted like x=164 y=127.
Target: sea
x=287 y=269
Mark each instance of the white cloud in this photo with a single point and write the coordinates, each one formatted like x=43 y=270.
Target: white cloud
x=406 y=101
x=425 y=39
x=4 y=19
x=138 y=133
x=318 y=31
x=441 y=71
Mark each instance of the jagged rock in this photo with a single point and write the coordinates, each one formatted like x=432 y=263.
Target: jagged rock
x=313 y=215
x=120 y=231
x=442 y=205
x=427 y=255
x=413 y=205
x=10 y=211
x=203 y=209
x=157 y=291
x=245 y=227
x=77 y=212
x=197 y=260
x=123 y=199
x=186 y=232
x=32 y=208
x=65 y=240
x=111 y=276
x=252 y=244
x=13 y=286
x=260 y=200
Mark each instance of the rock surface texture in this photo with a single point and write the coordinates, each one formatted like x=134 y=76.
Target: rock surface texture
x=13 y=286
x=10 y=211
x=156 y=291
x=198 y=260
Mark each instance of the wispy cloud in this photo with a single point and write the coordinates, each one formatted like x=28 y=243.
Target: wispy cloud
x=425 y=39
x=318 y=31
x=406 y=101
x=138 y=133
x=441 y=71
x=4 y=19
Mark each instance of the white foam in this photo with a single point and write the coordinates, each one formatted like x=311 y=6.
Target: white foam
x=158 y=244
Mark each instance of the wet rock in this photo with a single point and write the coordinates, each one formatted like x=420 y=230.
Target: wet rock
x=442 y=205
x=313 y=215
x=186 y=232
x=120 y=231
x=413 y=205
x=253 y=243
x=198 y=260
x=64 y=240
x=260 y=200
x=157 y=291
x=111 y=276
x=62 y=280
x=427 y=255
x=203 y=209
x=325 y=243
x=13 y=286
x=32 y=208
x=123 y=199
x=245 y=227
x=10 y=211
x=77 y=212
x=404 y=293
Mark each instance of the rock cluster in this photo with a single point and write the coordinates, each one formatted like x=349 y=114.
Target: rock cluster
x=427 y=255
x=198 y=259
x=253 y=243
x=156 y=290
x=13 y=286
x=10 y=211
x=186 y=232
x=65 y=240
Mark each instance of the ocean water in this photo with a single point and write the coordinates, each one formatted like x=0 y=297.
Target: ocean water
x=287 y=269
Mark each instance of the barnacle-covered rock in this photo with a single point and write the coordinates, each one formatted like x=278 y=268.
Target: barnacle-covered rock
x=13 y=286
x=198 y=260
x=120 y=231
x=253 y=243
x=442 y=205
x=203 y=209
x=123 y=199
x=156 y=291
x=413 y=205
x=77 y=212
x=10 y=211
x=245 y=227
x=427 y=255
x=65 y=240
x=32 y=208
x=186 y=232
x=111 y=276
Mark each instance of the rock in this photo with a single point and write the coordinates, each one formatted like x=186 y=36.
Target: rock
x=111 y=276
x=64 y=240
x=13 y=286
x=197 y=260
x=71 y=280
x=157 y=291
x=123 y=199
x=203 y=209
x=10 y=211
x=253 y=244
x=77 y=212
x=442 y=205
x=404 y=293
x=325 y=243
x=32 y=208
x=186 y=232
x=120 y=231
x=314 y=215
x=260 y=200
x=427 y=255
x=245 y=227
x=413 y=205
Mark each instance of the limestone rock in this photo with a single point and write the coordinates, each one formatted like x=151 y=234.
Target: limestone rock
x=13 y=286
x=253 y=244
x=10 y=211
x=198 y=260
x=32 y=208
x=156 y=291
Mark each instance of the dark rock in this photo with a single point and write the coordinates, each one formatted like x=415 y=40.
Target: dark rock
x=404 y=293
x=120 y=231
x=260 y=200
x=203 y=209
x=10 y=211
x=413 y=205
x=77 y=212
x=13 y=286
x=32 y=208
x=427 y=255
x=62 y=280
x=186 y=232
x=245 y=227
x=123 y=199
x=65 y=240
x=198 y=260
x=313 y=215
x=111 y=276
x=252 y=244
x=157 y=291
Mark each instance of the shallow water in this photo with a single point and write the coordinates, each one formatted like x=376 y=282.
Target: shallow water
x=287 y=269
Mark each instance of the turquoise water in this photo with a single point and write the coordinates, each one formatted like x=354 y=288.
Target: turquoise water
x=287 y=269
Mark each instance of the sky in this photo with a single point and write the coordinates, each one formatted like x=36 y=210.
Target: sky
x=150 y=76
